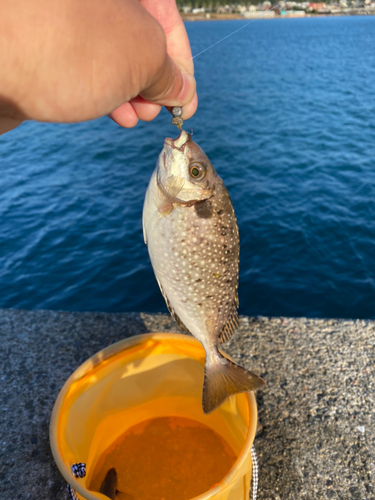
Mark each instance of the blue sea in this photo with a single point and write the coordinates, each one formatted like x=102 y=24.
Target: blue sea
x=287 y=117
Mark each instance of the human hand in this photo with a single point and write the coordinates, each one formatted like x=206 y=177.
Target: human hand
x=72 y=61
x=178 y=49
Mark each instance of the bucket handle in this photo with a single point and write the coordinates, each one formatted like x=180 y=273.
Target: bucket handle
x=79 y=471
x=255 y=468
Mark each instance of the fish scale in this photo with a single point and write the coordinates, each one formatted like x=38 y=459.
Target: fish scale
x=199 y=266
x=192 y=236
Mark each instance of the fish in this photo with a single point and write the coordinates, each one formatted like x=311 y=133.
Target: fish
x=109 y=484
x=191 y=232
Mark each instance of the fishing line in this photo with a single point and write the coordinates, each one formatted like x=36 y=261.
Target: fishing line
x=239 y=29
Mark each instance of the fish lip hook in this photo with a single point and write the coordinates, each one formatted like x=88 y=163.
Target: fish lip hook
x=171 y=142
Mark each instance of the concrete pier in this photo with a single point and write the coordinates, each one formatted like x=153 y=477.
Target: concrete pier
x=316 y=436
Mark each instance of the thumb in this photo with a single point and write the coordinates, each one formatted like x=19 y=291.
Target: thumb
x=172 y=85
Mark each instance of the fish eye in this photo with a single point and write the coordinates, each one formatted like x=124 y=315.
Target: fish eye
x=197 y=170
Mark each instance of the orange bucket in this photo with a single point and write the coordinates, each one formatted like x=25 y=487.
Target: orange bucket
x=137 y=379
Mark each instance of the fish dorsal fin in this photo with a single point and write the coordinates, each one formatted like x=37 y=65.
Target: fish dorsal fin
x=171 y=310
x=168 y=191
x=232 y=323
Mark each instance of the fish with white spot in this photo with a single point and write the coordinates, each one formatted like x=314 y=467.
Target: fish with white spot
x=191 y=232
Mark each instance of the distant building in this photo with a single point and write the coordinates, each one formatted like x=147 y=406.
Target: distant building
x=252 y=14
x=293 y=13
x=317 y=6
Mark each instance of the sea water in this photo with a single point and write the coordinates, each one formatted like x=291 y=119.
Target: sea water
x=286 y=115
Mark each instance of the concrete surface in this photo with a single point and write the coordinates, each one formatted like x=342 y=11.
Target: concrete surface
x=316 y=436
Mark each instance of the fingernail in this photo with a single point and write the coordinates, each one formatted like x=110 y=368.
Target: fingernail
x=188 y=89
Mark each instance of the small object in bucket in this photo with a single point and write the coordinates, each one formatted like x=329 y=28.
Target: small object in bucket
x=177 y=117
x=191 y=232
x=109 y=485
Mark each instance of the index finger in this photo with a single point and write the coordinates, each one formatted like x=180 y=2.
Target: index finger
x=167 y=15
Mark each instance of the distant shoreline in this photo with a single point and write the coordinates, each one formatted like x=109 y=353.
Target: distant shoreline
x=228 y=17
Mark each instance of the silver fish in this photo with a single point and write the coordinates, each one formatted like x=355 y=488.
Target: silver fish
x=191 y=231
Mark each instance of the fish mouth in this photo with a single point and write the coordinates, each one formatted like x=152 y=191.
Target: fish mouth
x=180 y=142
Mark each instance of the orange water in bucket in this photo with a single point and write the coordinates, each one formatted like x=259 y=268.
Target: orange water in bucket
x=144 y=380
x=167 y=457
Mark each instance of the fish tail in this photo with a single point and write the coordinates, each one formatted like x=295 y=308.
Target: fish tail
x=225 y=378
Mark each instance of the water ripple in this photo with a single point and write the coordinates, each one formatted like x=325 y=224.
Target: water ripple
x=287 y=117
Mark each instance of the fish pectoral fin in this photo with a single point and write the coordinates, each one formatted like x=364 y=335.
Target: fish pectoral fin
x=144 y=229
x=225 y=378
x=168 y=191
x=171 y=310
x=232 y=323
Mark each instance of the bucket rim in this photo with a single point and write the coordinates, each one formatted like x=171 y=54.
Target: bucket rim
x=105 y=355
